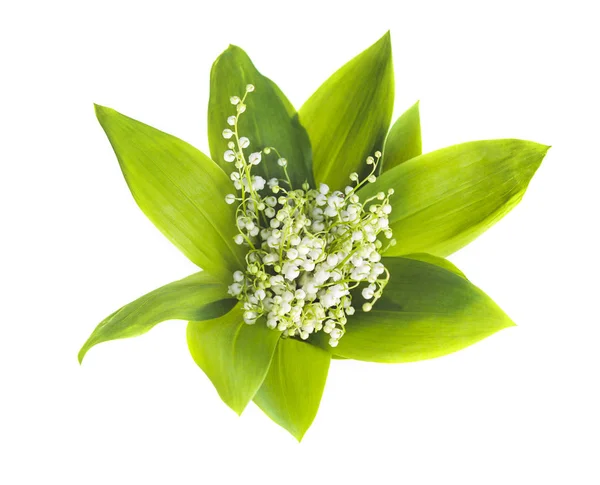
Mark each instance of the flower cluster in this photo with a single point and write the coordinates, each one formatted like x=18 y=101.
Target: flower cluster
x=307 y=248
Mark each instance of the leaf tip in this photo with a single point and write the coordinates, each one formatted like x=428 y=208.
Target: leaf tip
x=230 y=48
x=385 y=43
x=236 y=403
x=237 y=408
x=297 y=433
x=233 y=56
x=503 y=321
x=102 y=112
x=98 y=108
x=540 y=152
x=538 y=147
x=81 y=354
x=233 y=50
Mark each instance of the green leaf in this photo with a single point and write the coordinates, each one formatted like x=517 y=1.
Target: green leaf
x=197 y=297
x=404 y=139
x=234 y=355
x=426 y=311
x=292 y=390
x=431 y=259
x=445 y=199
x=347 y=118
x=427 y=258
x=179 y=189
x=269 y=120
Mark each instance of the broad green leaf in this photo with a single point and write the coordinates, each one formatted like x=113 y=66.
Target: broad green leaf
x=179 y=189
x=427 y=258
x=431 y=259
x=197 y=297
x=426 y=311
x=234 y=355
x=292 y=390
x=269 y=120
x=347 y=118
x=445 y=199
x=404 y=139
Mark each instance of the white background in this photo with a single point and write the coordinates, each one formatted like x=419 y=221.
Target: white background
x=518 y=408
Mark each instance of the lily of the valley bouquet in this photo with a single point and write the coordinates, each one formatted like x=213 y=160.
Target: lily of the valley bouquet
x=320 y=233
